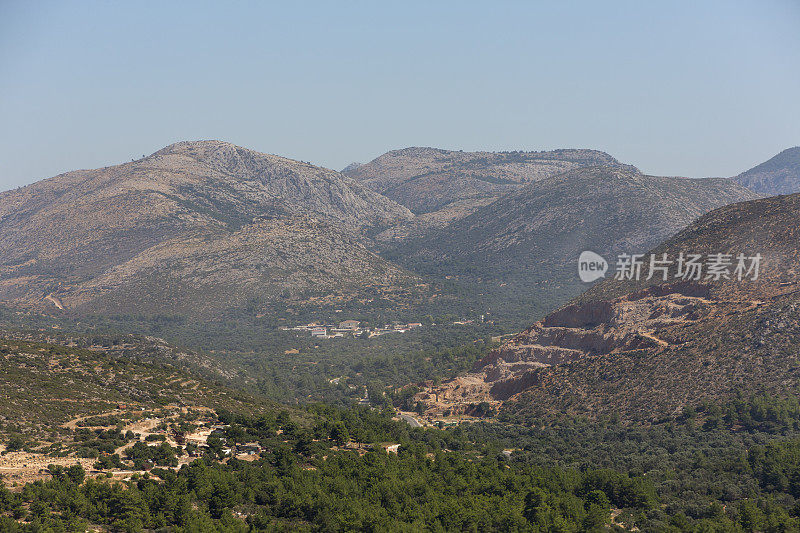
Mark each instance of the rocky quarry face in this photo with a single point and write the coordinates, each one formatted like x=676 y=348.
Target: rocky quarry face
x=626 y=324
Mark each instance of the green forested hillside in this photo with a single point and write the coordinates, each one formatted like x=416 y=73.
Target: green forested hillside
x=44 y=385
x=717 y=468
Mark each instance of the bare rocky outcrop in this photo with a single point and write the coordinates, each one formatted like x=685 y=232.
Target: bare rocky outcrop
x=577 y=331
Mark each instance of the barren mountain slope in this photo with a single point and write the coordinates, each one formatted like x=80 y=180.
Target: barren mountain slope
x=648 y=349
x=779 y=175
x=527 y=243
x=447 y=185
x=197 y=227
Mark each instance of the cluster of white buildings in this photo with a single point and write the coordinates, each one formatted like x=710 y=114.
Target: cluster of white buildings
x=350 y=327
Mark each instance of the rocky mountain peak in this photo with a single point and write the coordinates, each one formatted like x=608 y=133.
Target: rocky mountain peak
x=778 y=175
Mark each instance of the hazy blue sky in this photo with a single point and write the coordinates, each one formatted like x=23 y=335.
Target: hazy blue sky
x=676 y=88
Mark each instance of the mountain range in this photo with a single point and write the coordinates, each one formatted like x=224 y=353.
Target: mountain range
x=207 y=230
x=442 y=186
